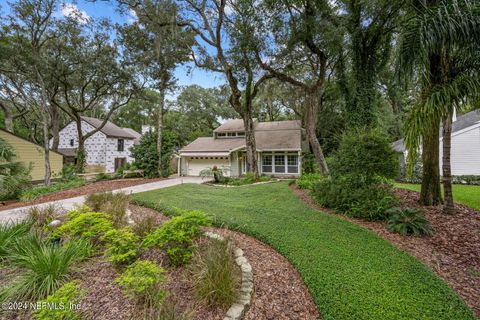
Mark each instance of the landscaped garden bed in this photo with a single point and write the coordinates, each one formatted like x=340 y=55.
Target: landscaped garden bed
x=100 y=186
x=96 y=250
x=452 y=251
x=157 y=268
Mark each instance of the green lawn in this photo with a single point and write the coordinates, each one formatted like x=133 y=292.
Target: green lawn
x=467 y=195
x=351 y=273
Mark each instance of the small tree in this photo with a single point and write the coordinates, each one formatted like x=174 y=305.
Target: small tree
x=146 y=154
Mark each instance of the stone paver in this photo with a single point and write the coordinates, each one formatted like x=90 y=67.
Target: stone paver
x=68 y=204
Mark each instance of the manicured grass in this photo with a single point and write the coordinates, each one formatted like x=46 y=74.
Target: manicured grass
x=467 y=195
x=351 y=273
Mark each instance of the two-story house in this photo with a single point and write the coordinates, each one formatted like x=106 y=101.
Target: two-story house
x=107 y=150
x=279 y=148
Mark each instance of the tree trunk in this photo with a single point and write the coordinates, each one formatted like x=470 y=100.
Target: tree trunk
x=310 y=121
x=448 y=206
x=8 y=119
x=45 y=129
x=252 y=161
x=161 y=106
x=430 y=194
x=55 y=127
x=81 y=156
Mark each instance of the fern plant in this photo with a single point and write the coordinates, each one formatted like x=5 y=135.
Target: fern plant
x=408 y=221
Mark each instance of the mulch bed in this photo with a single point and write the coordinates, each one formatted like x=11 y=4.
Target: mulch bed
x=452 y=252
x=90 y=187
x=279 y=291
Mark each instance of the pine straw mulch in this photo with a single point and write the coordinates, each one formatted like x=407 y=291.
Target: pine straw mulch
x=90 y=187
x=452 y=252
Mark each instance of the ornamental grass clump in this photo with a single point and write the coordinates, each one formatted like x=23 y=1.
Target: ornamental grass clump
x=122 y=246
x=115 y=204
x=9 y=232
x=141 y=281
x=45 y=266
x=176 y=236
x=65 y=299
x=408 y=221
x=215 y=275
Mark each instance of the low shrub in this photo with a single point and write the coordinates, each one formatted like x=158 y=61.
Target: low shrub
x=122 y=246
x=215 y=273
x=176 y=236
x=69 y=172
x=46 y=266
x=308 y=180
x=89 y=225
x=38 y=191
x=355 y=198
x=115 y=204
x=141 y=281
x=467 y=179
x=67 y=296
x=11 y=231
x=102 y=176
x=408 y=221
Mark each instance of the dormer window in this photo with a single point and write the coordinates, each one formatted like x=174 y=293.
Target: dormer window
x=230 y=134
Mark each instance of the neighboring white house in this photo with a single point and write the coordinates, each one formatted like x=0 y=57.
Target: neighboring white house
x=279 y=148
x=107 y=150
x=465 y=152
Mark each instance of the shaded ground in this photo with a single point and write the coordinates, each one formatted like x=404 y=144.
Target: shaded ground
x=100 y=186
x=452 y=252
x=350 y=272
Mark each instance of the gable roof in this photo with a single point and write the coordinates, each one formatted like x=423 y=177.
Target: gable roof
x=109 y=129
x=464 y=121
x=232 y=125
x=34 y=143
x=269 y=136
x=135 y=134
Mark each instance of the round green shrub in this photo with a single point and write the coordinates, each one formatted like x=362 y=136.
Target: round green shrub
x=122 y=246
x=176 y=236
x=140 y=281
x=365 y=153
x=67 y=296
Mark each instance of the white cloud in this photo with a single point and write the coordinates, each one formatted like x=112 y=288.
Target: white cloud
x=132 y=16
x=70 y=10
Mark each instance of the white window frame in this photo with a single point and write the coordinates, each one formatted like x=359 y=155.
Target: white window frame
x=285 y=154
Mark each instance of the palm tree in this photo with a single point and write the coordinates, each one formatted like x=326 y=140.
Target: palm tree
x=440 y=48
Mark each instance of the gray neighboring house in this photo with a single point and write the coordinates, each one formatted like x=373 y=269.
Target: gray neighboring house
x=107 y=150
x=279 y=149
x=465 y=152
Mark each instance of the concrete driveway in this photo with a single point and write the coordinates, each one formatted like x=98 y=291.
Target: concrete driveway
x=68 y=204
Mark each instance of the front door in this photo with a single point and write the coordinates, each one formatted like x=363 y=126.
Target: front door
x=119 y=162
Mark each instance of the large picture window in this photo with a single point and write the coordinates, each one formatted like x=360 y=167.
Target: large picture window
x=267 y=163
x=283 y=163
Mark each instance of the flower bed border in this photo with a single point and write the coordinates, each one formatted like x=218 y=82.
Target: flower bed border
x=239 y=307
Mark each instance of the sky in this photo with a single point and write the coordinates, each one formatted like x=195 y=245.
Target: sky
x=103 y=9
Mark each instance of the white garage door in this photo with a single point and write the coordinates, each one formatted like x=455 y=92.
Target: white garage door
x=197 y=164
